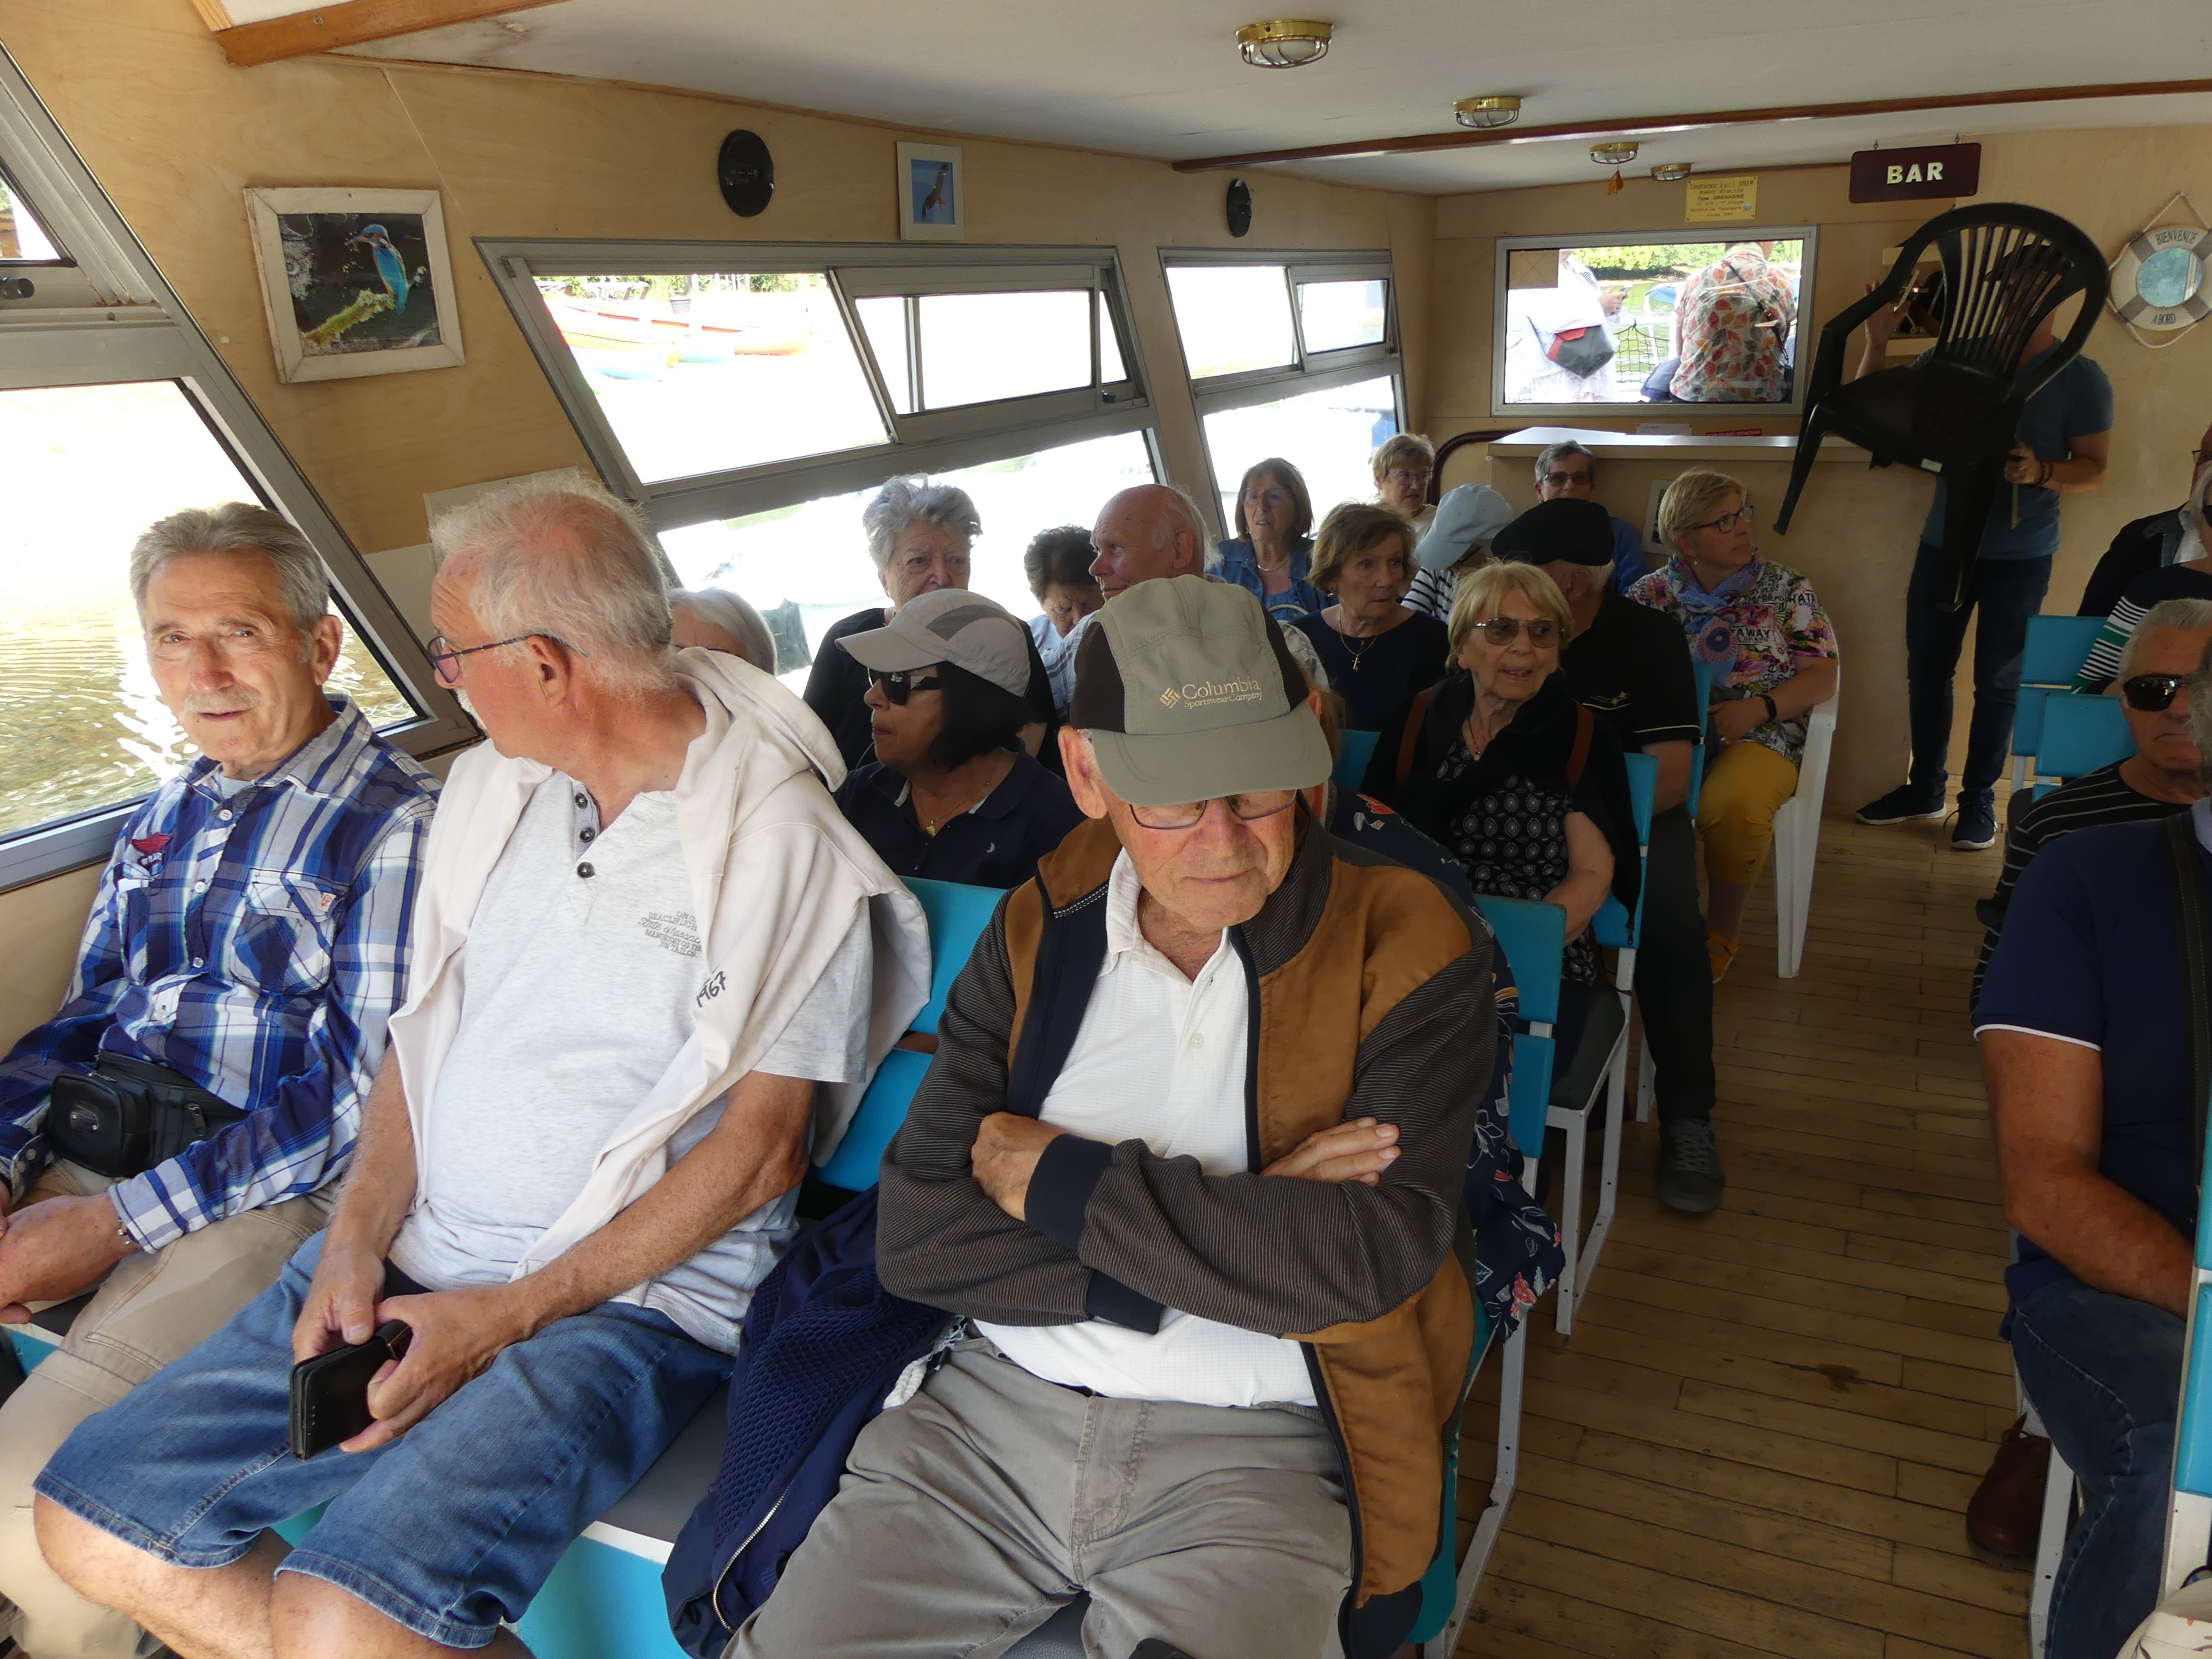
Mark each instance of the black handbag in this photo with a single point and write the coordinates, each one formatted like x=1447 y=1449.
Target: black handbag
x=124 y=1116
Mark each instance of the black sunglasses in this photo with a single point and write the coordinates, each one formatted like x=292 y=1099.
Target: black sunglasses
x=899 y=683
x=2152 y=694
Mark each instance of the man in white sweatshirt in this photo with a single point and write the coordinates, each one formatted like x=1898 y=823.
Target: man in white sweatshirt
x=654 y=969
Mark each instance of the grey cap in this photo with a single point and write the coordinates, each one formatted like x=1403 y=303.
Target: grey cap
x=1467 y=518
x=1188 y=693
x=949 y=625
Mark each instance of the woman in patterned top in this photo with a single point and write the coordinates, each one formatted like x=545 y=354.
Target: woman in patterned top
x=1760 y=629
x=1734 y=321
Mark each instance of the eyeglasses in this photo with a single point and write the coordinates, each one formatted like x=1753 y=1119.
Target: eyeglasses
x=1562 y=480
x=1274 y=499
x=445 y=659
x=1500 y=630
x=899 y=683
x=1406 y=478
x=1727 y=521
x=1263 y=804
x=2152 y=694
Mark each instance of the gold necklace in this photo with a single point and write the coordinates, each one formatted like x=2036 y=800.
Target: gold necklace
x=1266 y=570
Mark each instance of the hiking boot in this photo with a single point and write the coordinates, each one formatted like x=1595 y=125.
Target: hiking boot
x=1721 y=953
x=1904 y=804
x=2004 y=1517
x=1690 y=1178
x=1977 y=824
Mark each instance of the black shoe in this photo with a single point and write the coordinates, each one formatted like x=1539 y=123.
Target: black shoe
x=1904 y=804
x=1690 y=1178
x=1977 y=825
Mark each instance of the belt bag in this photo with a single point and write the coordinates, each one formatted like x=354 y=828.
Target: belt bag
x=124 y=1116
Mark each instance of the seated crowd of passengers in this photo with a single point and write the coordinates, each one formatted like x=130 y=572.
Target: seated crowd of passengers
x=573 y=1029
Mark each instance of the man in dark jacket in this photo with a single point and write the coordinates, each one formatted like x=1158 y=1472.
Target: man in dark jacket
x=1190 y=1156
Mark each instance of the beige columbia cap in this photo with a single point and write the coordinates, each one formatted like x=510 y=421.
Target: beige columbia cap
x=1188 y=693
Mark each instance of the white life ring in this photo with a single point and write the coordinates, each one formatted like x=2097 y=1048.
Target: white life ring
x=2159 y=279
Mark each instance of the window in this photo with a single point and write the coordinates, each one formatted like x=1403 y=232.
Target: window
x=1592 y=320
x=116 y=412
x=1291 y=355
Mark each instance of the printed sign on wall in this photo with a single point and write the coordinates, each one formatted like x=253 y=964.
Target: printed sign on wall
x=1735 y=196
x=1926 y=171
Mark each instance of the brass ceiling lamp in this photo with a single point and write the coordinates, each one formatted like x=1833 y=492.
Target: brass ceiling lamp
x=1496 y=109
x=1616 y=155
x=1284 y=42
x=1671 y=172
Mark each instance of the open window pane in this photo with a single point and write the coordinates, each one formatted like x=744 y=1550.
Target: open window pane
x=884 y=317
x=21 y=236
x=1335 y=315
x=978 y=347
x=1110 y=368
x=807 y=566
x=1328 y=435
x=1233 y=318
x=708 y=372
x=82 y=726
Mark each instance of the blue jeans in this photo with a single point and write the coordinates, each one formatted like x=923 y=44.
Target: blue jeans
x=2104 y=1373
x=2005 y=592
x=446 y=1531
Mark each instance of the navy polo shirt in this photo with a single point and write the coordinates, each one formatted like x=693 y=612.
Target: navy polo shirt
x=2089 y=955
x=995 y=843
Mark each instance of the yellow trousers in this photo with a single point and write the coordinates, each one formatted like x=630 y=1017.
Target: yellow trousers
x=1735 y=810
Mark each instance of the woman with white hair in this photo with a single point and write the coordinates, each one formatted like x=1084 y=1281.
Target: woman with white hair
x=719 y=620
x=919 y=535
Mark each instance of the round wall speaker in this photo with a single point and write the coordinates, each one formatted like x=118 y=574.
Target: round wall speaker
x=746 y=173
x=1240 y=207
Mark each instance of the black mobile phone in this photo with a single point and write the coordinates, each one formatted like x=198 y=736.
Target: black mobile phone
x=330 y=1393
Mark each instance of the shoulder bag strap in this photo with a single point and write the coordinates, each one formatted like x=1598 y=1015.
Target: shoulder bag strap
x=1409 y=741
x=1585 y=725
x=2193 y=928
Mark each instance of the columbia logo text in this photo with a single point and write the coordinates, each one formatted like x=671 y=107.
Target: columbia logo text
x=1207 y=694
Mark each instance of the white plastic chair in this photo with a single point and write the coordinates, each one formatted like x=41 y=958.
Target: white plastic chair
x=1797 y=838
x=2051 y=1535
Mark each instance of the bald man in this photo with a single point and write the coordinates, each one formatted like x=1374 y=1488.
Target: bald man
x=1147 y=531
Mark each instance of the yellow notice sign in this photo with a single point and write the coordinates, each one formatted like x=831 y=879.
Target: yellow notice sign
x=1734 y=196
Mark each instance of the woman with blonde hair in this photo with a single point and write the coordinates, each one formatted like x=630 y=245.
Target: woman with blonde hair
x=1377 y=650
x=1403 y=466
x=1759 y=627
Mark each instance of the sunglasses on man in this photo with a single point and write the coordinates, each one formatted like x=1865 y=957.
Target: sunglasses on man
x=2152 y=694
x=898 y=684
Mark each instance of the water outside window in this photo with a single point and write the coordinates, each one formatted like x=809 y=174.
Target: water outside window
x=80 y=725
x=977 y=348
x=703 y=374
x=1233 y=318
x=1328 y=435
x=21 y=236
x=1335 y=315
x=807 y=566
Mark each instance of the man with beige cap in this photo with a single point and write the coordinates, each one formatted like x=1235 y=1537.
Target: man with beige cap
x=1190 y=1161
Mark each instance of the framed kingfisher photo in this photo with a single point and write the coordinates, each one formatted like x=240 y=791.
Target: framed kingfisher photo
x=354 y=282
x=933 y=193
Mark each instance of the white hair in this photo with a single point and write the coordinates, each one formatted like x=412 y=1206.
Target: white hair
x=2185 y=615
x=720 y=608
x=903 y=502
x=563 y=558
x=237 y=527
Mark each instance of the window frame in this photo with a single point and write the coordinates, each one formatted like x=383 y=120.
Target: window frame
x=1505 y=246
x=114 y=320
x=928 y=440
x=1307 y=371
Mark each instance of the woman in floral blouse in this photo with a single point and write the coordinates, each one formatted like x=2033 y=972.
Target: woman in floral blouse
x=1759 y=627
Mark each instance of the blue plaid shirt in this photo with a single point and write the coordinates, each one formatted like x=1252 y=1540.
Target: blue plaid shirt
x=256 y=942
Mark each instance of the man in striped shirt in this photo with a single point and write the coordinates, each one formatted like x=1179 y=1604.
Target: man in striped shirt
x=250 y=936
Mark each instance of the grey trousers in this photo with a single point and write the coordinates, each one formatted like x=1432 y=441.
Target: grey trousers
x=969 y=1515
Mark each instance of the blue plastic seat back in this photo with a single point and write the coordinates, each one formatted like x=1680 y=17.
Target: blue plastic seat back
x=2081 y=734
x=1534 y=936
x=2027 y=719
x=2057 y=648
x=1701 y=672
x=1354 y=750
x=1616 y=928
x=957 y=916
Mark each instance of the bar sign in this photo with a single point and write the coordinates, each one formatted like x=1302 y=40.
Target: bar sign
x=1916 y=174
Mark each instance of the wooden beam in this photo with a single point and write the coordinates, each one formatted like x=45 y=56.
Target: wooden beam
x=1633 y=126
x=351 y=23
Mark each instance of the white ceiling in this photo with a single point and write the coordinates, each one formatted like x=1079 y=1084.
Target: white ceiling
x=1162 y=78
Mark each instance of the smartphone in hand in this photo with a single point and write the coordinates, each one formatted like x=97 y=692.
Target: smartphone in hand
x=330 y=1393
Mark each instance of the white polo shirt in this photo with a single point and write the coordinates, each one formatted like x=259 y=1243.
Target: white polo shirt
x=1160 y=1059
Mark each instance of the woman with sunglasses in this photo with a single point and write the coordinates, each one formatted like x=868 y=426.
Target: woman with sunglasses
x=951 y=794
x=1509 y=772
x=1759 y=630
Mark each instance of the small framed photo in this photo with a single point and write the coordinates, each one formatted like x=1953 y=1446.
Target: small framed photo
x=354 y=282
x=1659 y=550
x=933 y=193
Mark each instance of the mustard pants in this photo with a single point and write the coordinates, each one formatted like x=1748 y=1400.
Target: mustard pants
x=1745 y=788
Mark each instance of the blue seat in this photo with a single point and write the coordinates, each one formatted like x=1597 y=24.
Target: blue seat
x=2056 y=649
x=1354 y=750
x=2080 y=734
x=1703 y=672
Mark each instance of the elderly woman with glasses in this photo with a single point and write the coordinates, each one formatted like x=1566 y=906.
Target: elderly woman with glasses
x=1270 y=555
x=1759 y=630
x=1403 y=466
x=919 y=535
x=1502 y=766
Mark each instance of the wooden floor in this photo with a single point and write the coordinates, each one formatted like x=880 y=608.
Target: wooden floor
x=1762 y=1435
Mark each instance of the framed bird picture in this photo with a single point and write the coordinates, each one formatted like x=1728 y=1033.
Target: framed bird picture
x=933 y=193
x=355 y=282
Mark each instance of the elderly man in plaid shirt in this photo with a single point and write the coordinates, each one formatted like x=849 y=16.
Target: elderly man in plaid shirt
x=250 y=936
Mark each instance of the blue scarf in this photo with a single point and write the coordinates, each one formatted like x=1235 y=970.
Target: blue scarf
x=1702 y=601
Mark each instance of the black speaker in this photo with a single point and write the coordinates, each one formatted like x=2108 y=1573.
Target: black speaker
x=746 y=173
x=1240 y=207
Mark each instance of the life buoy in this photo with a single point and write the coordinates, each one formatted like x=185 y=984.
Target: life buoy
x=2159 y=279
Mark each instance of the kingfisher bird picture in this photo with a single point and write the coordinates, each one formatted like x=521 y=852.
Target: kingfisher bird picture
x=359 y=282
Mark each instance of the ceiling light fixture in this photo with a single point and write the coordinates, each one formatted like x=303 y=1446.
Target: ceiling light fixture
x=1613 y=155
x=1671 y=172
x=1284 y=42
x=1496 y=109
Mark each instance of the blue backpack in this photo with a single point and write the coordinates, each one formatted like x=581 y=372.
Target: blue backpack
x=823 y=1344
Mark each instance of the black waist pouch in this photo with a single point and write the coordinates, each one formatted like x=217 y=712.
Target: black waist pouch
x=124 y=1116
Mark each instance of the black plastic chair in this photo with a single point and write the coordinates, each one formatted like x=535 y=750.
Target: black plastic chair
x=2006 y=267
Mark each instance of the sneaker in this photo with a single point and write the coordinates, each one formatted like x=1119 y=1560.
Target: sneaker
x=1690 y=1178
x=1721 y=952
x=1977 y=824
x=1902 y=804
